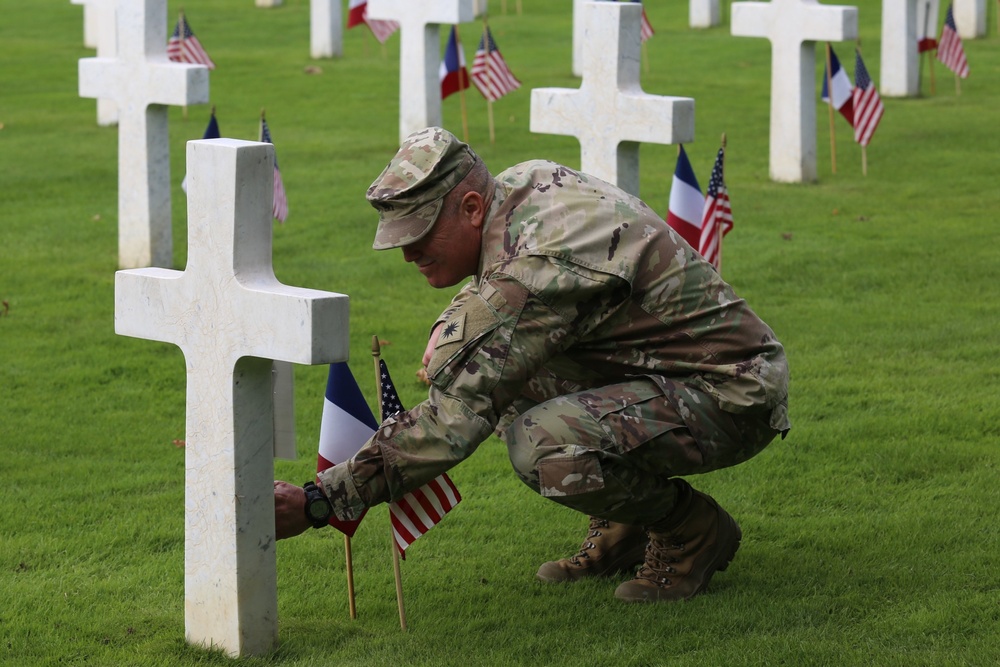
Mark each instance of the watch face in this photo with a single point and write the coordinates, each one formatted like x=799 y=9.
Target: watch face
x=317 y=509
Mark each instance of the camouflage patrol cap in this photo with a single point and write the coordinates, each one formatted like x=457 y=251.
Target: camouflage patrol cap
x=410 y=191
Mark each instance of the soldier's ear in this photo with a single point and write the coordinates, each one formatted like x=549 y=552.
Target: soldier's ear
x=473 y=208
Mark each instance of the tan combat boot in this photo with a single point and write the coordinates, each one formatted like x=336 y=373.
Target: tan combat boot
x=685 y=550
x=609 y=548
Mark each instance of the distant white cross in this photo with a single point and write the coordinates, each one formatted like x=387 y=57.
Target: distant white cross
x=141 y=81
x=899 y=75
x=970 y=18
x=609 y=113
x=89 y=22
x=793 y=26
x=704 y=13
x=101 y=32
x=231 y=317
x=326 y=29
x=420 y=54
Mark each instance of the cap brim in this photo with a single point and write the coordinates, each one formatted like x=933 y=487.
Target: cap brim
x=402 y=231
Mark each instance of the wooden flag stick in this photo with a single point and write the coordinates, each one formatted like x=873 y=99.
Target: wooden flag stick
x=376 y=353
x=349 y=561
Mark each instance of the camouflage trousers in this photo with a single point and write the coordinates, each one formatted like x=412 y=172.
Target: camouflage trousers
x=613 y=451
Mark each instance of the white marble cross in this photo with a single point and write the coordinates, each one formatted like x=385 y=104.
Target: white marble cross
x=609 y=113
x=231 y=317
x=420 y=54
x=704 y=13
x=579 y=36
x=89 y=23
x=326 y=29
x=970 y=18
x=101 y=32
x=141 y=81
x=793 y=26
x=900 y=70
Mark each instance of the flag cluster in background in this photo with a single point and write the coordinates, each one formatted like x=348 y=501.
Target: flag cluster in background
x=184 y=47
x=279 y=208
x=491 y=75
x=701 y=221
x=860 y=104
x=357 y=14
x=418 y=511
x=950 y=50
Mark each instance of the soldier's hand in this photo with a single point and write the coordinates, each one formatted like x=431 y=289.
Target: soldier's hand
x=289 y=510
x=429 y=350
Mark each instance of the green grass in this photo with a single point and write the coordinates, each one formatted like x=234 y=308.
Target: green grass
x=868 y=532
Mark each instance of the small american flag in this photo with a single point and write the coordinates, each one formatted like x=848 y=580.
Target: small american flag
x=646 y=28
x=868 y=106
x=357 y=13
x=418 y=511
x=950 y=50
x=717 y=219
x=279 y=208
x=184 y=47
x=490 y=72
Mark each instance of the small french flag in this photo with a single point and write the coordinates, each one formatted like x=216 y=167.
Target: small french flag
x=347 y=425
x=686 y=201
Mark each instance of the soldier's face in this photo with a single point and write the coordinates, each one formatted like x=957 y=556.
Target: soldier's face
x=449 y=253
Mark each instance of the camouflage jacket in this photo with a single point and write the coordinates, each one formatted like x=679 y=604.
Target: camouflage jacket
x=580 y=285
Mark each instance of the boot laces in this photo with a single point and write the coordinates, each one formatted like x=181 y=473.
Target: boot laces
x=660 y=556
x=595 y=531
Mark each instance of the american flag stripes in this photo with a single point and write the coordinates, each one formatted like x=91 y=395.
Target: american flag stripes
x=357 y=14
x=184 y=47
x=717 y=218
x=490 y=72
x=868 y=106
x=645 y=27
x=950 y=50
x=418 y=511
x=279 y=208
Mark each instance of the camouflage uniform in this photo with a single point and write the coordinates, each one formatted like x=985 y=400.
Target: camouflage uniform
x=596 y=343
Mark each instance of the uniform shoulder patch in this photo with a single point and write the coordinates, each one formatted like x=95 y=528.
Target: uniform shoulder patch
x=452 y=331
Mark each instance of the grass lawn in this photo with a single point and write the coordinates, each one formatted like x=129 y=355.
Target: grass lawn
x=868 y=531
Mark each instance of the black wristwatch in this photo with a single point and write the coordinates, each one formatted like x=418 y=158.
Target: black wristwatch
x=318 y=508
